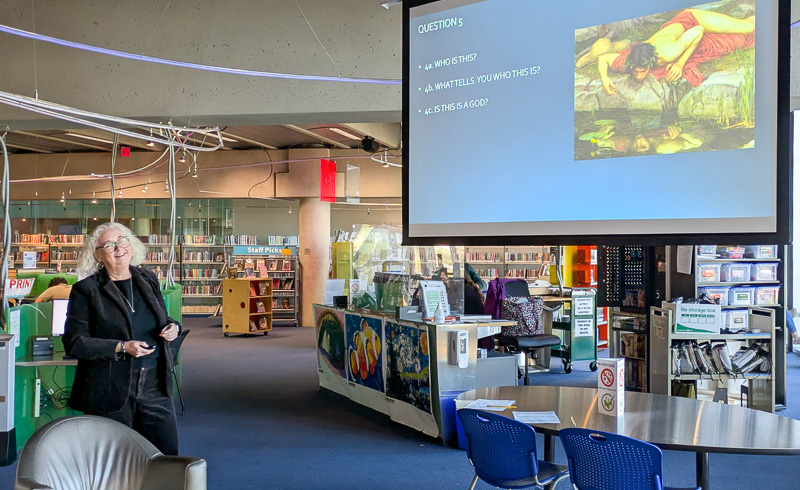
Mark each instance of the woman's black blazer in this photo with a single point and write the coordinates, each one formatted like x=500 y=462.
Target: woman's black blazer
x=97 y=320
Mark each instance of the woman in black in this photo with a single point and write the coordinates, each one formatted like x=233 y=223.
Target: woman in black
x=118 y=329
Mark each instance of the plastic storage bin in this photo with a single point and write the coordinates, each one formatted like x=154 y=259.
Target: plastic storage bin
x=741 y=296
x=731 y=252
x=736 y=319
x=735 y=272
x=762 y=251
x=717 y=293
x=708 y=272
x=767 y=295
x=764 y=272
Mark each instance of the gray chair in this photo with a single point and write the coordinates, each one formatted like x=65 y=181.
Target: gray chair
x=95 y=453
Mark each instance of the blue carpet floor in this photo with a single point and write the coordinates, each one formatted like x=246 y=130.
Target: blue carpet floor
x=255 y=412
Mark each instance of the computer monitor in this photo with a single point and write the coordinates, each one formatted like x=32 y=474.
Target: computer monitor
x=59 y=317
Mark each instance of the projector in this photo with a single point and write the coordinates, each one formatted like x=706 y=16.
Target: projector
x=370 y=145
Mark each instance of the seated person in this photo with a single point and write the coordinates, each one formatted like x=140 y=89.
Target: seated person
x=56 y=289
x=691 y=38
x=473 y=299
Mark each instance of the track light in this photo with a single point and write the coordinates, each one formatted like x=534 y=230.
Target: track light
x=385 y=165
x=182 y=159
x=367 y=211
x=120 y=193
x=145 y=188
x=290 y=210
x=63 y=197
x=94 y=199
x=166 y=187
x=194 y=171
x=150 y=143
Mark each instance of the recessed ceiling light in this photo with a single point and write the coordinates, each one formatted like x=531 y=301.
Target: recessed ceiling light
x=345 y=133
x=90 y=138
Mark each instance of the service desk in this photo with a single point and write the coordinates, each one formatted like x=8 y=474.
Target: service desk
x=401 y=368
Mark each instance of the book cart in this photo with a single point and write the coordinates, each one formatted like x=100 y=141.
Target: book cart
x=246 y=306
x=278 y=264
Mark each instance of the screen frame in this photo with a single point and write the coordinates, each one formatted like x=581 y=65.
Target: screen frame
x=53 y=317
x=784 y=169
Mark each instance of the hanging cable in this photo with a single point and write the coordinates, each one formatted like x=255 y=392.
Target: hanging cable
x=86 y=118
x=184 y=64
x=113 y=180
x=6 y=198
x=170 y=280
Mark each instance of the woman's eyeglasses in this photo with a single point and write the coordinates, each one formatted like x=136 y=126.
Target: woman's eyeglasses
x=122 y=241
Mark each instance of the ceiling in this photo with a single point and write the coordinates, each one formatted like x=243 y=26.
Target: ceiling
x=267 y=137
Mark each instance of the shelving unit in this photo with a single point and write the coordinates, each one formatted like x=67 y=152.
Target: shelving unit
x=707 y=258
x=246 y=306
x=628 y=339
x=760 y=386
x=510 y=262
x=279 y=264
x=631 y=279
x=51 y=250
x=203 y=267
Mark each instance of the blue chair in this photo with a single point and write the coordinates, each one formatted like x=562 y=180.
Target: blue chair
x=503 y=452
x=602 y=460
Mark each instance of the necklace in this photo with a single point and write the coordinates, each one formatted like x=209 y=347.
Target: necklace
x=130 y=303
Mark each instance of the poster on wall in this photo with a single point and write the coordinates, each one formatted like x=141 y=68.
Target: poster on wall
x=329 y=325
x=364 y=360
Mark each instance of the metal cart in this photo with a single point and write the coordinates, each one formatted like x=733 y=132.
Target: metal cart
x=579 y=334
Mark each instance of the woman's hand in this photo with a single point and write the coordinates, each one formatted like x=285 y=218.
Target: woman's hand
x=170 y=332
x=135 y=348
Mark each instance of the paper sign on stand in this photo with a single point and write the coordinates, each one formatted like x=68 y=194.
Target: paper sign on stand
x=19 y=288
x=611 y=386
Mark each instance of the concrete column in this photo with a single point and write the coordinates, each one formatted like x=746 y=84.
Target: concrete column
x=315 y=230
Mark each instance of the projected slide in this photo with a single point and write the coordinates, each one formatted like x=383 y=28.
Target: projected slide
x=559 y=119
x=639 y=83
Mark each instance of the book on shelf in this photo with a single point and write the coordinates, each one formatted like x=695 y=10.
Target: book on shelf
x=248 y=272
x=260 y=307
x=285 y=304
x=263 y=324
x=263 y=289
x=287 y=265
x=287 y=283
x=272 y=265
x=262 y=268
x=253 y=327
x=252 y=290
x=274 y=303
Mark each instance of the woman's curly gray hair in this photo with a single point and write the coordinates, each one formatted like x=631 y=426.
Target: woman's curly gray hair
x=88 y=263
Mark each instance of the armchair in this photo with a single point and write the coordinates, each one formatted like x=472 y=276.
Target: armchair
x=92 y=452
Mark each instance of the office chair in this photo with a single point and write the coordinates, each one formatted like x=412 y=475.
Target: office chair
x=176 y=347
x=601 y=460
x=503 y=452
x=527 y=344
x=90 y=452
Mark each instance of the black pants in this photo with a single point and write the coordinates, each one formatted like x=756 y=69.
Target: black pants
x=149 y=412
